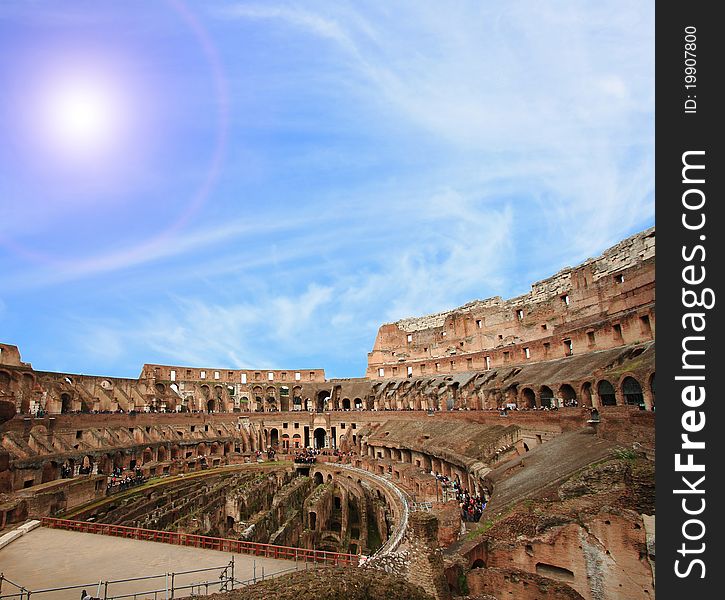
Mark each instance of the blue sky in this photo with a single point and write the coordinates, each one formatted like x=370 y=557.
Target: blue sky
x=274 y=180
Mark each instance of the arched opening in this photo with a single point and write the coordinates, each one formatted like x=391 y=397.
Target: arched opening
x=297 y=440
x=65 y=403
x=211 y=405
x=271 y=399
x=274 y=437
x=323 y=398
x=479 y=563
x=568 y=395
x=230 y=523
x=147 y=456
x=284 y=398
x=205 y=391
x=606 y=393
x=529 y=397
x=318 y=478
x=587 y=394
x=632 y=392
x=5 y=380
x=118 y=460
x=358 y=403
x=320 y=437
x=313 y=520
x=161 y=454
x=346 y=404
x=546 y=396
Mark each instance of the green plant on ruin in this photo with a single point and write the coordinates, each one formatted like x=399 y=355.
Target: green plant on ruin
x=626 y=454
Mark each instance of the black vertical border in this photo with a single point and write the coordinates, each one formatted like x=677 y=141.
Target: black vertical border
x=676 y=133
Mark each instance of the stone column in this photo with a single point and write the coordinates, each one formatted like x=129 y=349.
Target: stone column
x=425 y=566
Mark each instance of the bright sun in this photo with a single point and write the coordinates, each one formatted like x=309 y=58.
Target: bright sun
x=82 y=116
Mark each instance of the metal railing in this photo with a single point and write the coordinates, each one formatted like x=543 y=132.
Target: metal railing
x=396 y=539
x=170 y=588
x=206 y=542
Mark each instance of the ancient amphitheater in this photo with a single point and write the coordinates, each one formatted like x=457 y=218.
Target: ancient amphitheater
x=540 y=408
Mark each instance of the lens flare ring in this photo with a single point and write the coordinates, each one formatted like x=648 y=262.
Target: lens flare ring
x=85 y=118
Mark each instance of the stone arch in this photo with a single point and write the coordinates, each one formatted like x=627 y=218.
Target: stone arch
x=346 y=404
x=211 y=405
x=606 y=392
x=320 y=437
x=205 y=391
x=587 y=398
x=323 y=397
x=632 y=392
x=546 y=396
x=148 y=455
x=201 y=449
x=258 y=392
x=358 y=403
x=274 y=437
x=5 y=381
x=214 y=450
x=161 y=454
x=511 y=394
x=528 y=397
x=271 y=399
x=319 y=479
x=66 y=403
x=118 y=460
x=568 y=394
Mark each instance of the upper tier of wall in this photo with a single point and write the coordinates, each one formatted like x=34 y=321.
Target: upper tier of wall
x=604 y=302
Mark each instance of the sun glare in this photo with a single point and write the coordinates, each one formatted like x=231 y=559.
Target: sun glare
x=82 y=117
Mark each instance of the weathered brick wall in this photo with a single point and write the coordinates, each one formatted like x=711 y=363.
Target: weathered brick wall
x=603 y=303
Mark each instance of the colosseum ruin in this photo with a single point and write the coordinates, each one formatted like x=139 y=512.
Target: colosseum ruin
x=503 y=449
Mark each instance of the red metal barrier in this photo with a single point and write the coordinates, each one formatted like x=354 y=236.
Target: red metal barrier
x=206 y=542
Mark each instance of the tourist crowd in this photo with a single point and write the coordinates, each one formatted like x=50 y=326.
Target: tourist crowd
x=306 y=456
x=121 y=480
x=470 y=505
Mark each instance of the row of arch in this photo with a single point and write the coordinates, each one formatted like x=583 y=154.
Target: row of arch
x=627 y=391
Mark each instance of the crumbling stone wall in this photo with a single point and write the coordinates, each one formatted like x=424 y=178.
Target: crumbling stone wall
x=603 y=303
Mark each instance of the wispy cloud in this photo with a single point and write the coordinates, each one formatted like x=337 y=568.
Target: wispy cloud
x=384 y=161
